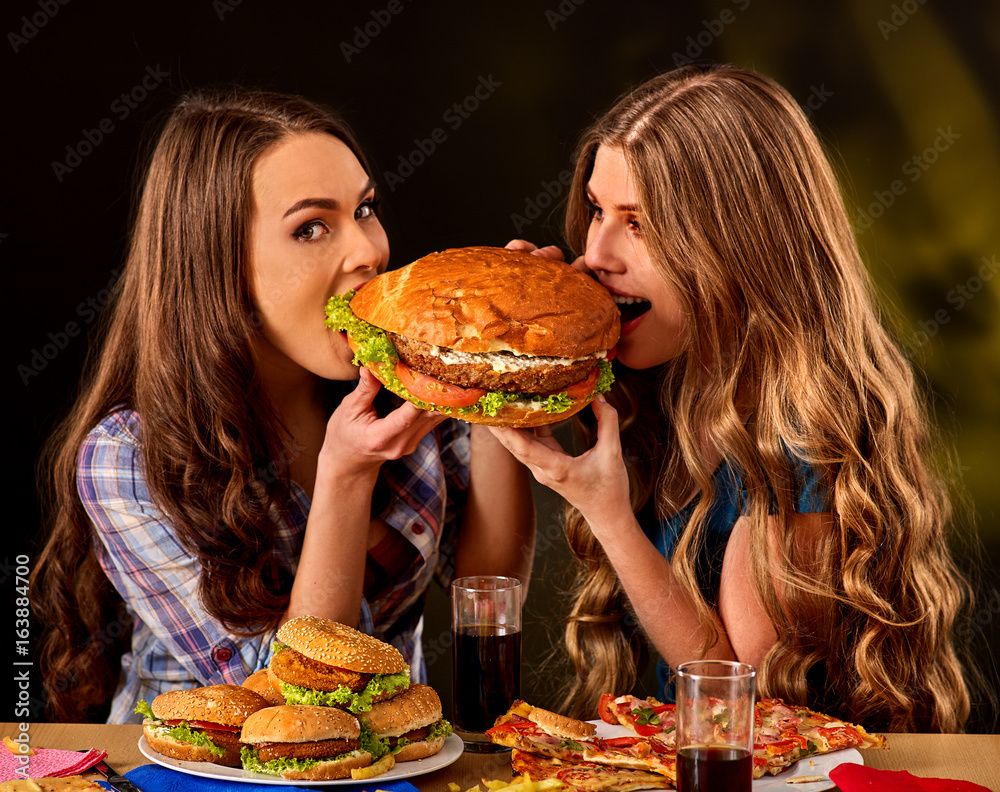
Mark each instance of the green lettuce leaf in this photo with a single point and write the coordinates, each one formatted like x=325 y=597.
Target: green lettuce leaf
x=145 y=710
x=343 y=696
x=251 y=761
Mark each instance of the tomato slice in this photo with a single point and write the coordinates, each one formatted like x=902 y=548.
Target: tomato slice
x=197 y=724
x=434 y=391
x=604 y=709
x=841 y=737
x=646 y=729
x=622 y=742
x=613 y=352
x=583 y=388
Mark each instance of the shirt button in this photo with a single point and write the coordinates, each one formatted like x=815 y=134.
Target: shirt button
x=223 y=655
x=418 y=528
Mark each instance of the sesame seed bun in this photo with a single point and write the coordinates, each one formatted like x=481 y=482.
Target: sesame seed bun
x=227 y=705
x=338 y=645
x=294 y=723
x=414 y=709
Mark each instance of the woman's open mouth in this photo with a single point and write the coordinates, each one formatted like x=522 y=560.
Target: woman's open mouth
x=631 y=308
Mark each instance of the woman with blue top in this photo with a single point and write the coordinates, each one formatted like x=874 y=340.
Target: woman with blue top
x=762 y=488
x=224 y=469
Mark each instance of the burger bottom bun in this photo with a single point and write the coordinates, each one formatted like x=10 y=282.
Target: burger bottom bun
x=175 y=749
x=510 y=415
x=420 y=750
x=330 y=769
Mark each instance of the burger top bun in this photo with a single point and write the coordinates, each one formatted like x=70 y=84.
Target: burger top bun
x=338 y=645
x=296 y=723
x=263 y=684
x=414 y=708
x=228 y=705
x=510 y=301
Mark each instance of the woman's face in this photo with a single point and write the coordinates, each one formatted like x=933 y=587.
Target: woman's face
x=653 y=327
x=314 y=234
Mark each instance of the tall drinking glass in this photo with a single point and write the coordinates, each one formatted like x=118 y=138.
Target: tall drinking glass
x=486 y=620
x=715 y=717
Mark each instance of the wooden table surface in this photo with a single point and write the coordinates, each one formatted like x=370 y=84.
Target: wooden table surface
x=971 y=757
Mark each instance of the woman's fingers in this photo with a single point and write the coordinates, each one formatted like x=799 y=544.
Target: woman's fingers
x=549 y=251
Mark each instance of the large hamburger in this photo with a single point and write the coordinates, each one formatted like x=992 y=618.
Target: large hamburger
x=489 y=335
x=323 y=662
x=201 y=724
x=409 y=725
x=303 y=742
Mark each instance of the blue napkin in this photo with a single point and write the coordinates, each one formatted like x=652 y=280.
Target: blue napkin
x=153 y=778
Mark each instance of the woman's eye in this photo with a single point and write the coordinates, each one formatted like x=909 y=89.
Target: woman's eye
x=366 y=210
x=633 y=225
x=310 y=231
x=596 y=213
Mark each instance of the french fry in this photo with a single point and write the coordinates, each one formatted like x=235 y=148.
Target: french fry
x=383 y=765
x=16 y=748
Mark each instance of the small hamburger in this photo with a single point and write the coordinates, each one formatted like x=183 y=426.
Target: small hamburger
x=488 y=335
x=303 y=742
x=325 y=663
x=264 y=684
x=409 y=725
x=200 y=725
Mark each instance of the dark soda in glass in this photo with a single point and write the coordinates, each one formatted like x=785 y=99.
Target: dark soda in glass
x=487 y=675
x=710 y=768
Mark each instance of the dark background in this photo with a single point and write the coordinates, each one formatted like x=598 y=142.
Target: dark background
x=906 y=94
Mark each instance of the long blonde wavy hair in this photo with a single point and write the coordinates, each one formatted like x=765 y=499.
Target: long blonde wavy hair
x=743 y=214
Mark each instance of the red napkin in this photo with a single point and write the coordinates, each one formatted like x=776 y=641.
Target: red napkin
x=856 y=778
x=47 y=762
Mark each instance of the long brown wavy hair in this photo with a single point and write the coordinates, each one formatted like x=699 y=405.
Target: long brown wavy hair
x=176 y=347
x=743 y=215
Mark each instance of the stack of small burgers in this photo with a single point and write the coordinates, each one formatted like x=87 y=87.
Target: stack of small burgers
x=332 y=700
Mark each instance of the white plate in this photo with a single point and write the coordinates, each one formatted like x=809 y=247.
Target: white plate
x=452 y=749
x=814 y=765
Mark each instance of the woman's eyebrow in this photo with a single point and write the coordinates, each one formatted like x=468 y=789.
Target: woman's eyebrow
x=617 y=207
x=319 y=203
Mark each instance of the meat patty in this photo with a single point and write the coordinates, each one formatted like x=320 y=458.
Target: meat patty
x=224 y=739
x=525 y=375
x=297 y=669
x=412 y=736
x=320 y=749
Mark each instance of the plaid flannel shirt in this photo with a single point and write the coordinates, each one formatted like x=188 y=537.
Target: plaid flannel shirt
x=175 y=642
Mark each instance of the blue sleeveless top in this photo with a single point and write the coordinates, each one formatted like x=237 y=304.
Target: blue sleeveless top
x=729 y=504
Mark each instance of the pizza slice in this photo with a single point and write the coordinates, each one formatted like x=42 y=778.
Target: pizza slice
x=584 y=776
x=545 y=733
x=646 y=717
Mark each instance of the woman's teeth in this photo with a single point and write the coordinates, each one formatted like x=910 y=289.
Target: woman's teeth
x=630 y=307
